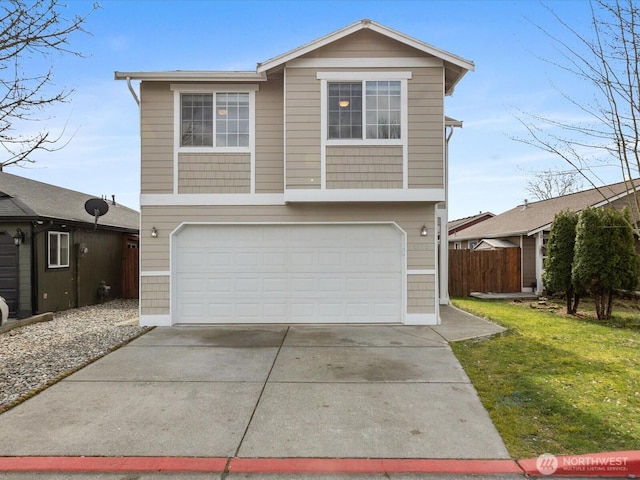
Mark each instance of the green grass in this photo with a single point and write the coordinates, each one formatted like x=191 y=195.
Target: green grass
x=556 y=384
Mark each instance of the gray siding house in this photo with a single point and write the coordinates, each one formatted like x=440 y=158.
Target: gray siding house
x=53 y=256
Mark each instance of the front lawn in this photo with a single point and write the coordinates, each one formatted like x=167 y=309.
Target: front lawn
x=555 y=384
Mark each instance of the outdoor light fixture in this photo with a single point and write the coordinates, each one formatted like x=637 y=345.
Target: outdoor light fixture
x=18 y=238
x=154 y=232
x=423 y=231
x=343 y=103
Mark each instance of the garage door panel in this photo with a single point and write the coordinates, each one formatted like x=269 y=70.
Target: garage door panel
x=288 y=274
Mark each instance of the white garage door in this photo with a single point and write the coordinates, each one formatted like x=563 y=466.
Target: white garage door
x=288 y=274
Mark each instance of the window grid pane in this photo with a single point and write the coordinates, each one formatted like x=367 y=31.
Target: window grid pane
x=344 y=110
x=383 y=109
x=197 y=120
x=232 y=119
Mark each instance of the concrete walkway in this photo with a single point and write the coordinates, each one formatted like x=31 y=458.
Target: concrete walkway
x=250 y=393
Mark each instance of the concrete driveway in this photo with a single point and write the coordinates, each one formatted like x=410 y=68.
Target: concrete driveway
x=236 y=392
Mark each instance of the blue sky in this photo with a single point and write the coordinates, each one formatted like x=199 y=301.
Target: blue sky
x=488 y=170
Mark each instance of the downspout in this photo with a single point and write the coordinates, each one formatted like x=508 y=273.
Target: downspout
x=133 y=92
x=444 y=221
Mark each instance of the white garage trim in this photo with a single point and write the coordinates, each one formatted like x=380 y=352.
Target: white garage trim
x=288 y=294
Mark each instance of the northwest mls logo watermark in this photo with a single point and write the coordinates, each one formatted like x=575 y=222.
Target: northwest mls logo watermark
x=548 y=464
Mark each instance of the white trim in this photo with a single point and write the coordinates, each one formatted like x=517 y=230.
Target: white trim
x=427 y=271
x=284 y=127
x=155 y=320
x=421 y=319
x=155 y=273
x=373 y=62
x=363 y=76
x=365 y=195
x=191 y=75
x=404 y=316
x=178 y=90
x=213 y=88
x=193 y=199
x=323 y=133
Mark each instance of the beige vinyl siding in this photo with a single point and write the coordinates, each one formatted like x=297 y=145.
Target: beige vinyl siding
x=156 y=125
x=421 y=293
x=214 y=173
x=364 y=44
x=269 y=155
x=303 y=128
x=426 y=128
x=409 y=217
x=154 y=295
x=364 y=167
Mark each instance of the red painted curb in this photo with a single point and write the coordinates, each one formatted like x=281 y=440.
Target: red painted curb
x=371 y=465
x=604 y=464
x=112 y=464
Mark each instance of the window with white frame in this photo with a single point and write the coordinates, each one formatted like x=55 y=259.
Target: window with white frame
x=58 y=250
x=375 y=115
x=216 y=119
x=369 y=108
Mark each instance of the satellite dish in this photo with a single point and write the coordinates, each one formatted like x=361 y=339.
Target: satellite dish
x=96 y=207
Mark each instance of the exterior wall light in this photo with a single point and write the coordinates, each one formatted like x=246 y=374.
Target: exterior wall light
x=18 y=238
x=423 y=231
x=154 y=232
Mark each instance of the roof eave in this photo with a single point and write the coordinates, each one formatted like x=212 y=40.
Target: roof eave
x=192 y=75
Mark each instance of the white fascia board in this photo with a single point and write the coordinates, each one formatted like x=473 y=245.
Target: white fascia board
x=540 y=229
x=193 y=75
x=210 y=199
x=368 y=62
x=365 y=195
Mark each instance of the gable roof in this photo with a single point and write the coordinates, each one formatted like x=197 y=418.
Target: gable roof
x=531 y=217
x=25 y=199
x=455 y=66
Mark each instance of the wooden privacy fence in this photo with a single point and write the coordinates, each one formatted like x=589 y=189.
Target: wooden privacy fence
x=496 y=271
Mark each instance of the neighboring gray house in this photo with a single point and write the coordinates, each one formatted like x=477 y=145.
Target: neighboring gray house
x=53 y=256
x=527 y=226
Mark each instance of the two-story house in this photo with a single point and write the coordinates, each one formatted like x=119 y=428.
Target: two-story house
x=306 y=191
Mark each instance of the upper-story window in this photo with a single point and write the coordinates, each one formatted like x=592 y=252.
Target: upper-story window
x=365 y=107
x=381 y=104
x=214 y=117
x=230 y=127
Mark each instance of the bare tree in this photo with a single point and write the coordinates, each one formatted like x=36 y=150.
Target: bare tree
x=549 y=183
x=31 y=30
x=607 y=59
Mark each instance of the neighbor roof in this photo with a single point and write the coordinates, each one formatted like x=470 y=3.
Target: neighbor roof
x=25 y=199
x=534 y=216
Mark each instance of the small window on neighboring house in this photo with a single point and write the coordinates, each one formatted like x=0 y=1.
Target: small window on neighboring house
x=472 y=245
x=231 y=114
x=58 y=249
x=381 y=105
x=457 y=246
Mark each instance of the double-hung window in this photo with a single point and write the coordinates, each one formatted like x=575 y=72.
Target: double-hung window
x=371 y=109
x=58 y=250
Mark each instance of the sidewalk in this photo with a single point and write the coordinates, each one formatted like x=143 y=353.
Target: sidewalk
x=246 y=401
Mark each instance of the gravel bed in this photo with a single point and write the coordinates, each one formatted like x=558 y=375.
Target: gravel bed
x=35 y=356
